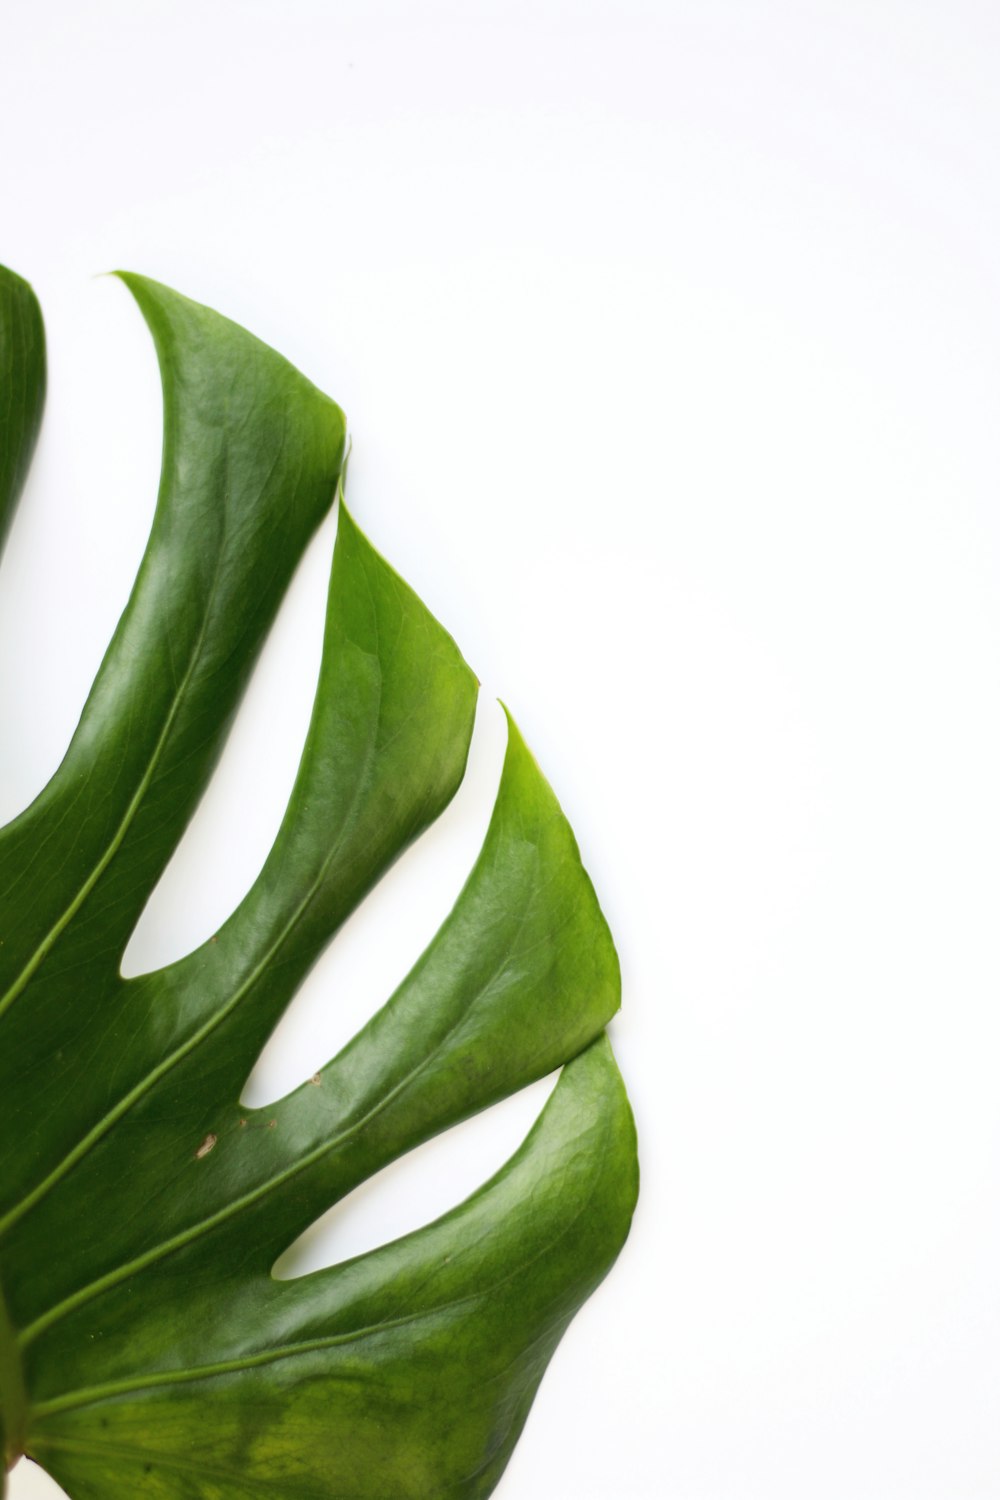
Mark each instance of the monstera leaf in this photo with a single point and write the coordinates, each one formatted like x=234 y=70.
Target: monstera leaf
x=145 y=1347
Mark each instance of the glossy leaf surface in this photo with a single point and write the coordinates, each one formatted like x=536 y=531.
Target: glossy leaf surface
x=145 y=1346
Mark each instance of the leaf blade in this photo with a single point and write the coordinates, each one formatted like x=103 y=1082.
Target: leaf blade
x=406 y=1372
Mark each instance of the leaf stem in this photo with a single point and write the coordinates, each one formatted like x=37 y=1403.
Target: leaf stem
x=13 y=1396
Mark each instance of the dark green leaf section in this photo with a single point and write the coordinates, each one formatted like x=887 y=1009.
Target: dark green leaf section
x=153 y=1352
x=407 y=1372
x=22 y=388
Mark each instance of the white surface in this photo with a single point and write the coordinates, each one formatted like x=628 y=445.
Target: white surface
x=669 y=338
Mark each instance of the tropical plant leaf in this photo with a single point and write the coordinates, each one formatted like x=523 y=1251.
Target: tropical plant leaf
x=145 y=1346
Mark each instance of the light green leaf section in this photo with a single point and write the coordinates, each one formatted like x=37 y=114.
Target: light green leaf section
x=145 y=1346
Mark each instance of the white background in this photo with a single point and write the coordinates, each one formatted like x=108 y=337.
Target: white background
x=668 y=334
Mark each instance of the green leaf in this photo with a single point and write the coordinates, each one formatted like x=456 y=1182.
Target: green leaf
x=145 y=1345
x=22 y=389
